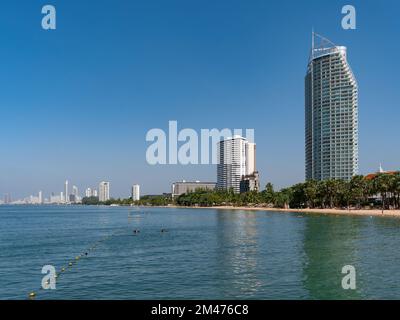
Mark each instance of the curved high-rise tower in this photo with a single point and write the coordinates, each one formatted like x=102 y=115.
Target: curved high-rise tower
x=331 y=113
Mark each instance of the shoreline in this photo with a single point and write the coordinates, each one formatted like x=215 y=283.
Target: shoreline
x=343 y=212
x=353 y=212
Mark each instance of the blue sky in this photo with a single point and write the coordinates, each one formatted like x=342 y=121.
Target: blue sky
x=78 y=101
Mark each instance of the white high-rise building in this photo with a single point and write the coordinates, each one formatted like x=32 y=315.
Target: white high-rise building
x=88 y=192
x=104 y=191
x=75 y=191
x=40 y=197
x=66 y=191
x=237 y=159
x=74 y=197
x=136 y=192
x=94 y=193
x=250 y=158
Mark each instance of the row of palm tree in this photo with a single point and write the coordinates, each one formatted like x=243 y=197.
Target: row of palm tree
x=381 y=190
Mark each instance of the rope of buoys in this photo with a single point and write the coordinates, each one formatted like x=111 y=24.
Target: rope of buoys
x=33 y=294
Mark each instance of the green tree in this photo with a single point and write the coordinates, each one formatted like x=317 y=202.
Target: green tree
x=268 y=195
x=311 y=193
x=283 y=198
x=382 y=183
x=358 y=189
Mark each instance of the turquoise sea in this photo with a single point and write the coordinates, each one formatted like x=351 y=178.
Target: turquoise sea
x=203 y=254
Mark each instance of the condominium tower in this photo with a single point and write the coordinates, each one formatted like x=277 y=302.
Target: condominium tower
x=66 y=191
x=331 y=113
x=236 y=160
x=88 y=192
x=135 y=192
x=104 y=191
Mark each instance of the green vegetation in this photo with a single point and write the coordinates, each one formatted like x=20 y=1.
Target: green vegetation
x=360 y=192
x=95 y=201
x=155 y=200
x=90 y=200
x=357 y=193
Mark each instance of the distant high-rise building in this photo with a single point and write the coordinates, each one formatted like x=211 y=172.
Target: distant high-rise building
x=75 y=195
x=237 y=159
x=331 y=113
x=88 y=192
x=7 y=198
x=135 y=192
x=66 y=191
x=56 y=199
x=104 y=191
x=94 y=193
x=40 y=197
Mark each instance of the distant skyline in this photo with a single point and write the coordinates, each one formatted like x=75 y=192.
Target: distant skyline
x=77 y=101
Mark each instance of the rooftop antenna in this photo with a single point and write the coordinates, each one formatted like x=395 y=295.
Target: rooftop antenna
x=312 y=39
x=312 y=44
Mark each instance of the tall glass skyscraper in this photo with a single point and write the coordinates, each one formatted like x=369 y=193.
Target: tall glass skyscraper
x=331 y=113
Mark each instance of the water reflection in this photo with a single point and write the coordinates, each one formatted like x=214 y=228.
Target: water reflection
x=329 y=244
x=238 y=252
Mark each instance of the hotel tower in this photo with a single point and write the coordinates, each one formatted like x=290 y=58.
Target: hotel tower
x=135 y=192
x=331 y=113
x=236 y=162
x=104 y=191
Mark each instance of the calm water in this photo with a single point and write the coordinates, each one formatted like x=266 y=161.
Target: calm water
x=206 y=254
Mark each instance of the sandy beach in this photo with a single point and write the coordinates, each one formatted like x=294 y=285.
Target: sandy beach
x=362 y=212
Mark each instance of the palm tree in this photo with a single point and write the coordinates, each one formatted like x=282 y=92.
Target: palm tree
x=382 y=186
x=269 y=193
x=311 y=192
x=358 y=186
x=331 y=190
x=346 y=193
x=283 y=198
x=396 y=189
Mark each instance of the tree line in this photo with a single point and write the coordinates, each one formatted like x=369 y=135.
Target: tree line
x=150 y=200
x=380 y=191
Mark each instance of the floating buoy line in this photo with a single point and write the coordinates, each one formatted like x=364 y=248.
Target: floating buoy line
x=71 y=263
x=83 y=255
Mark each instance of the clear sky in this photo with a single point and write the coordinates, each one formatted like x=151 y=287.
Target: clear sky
x=76 y=102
